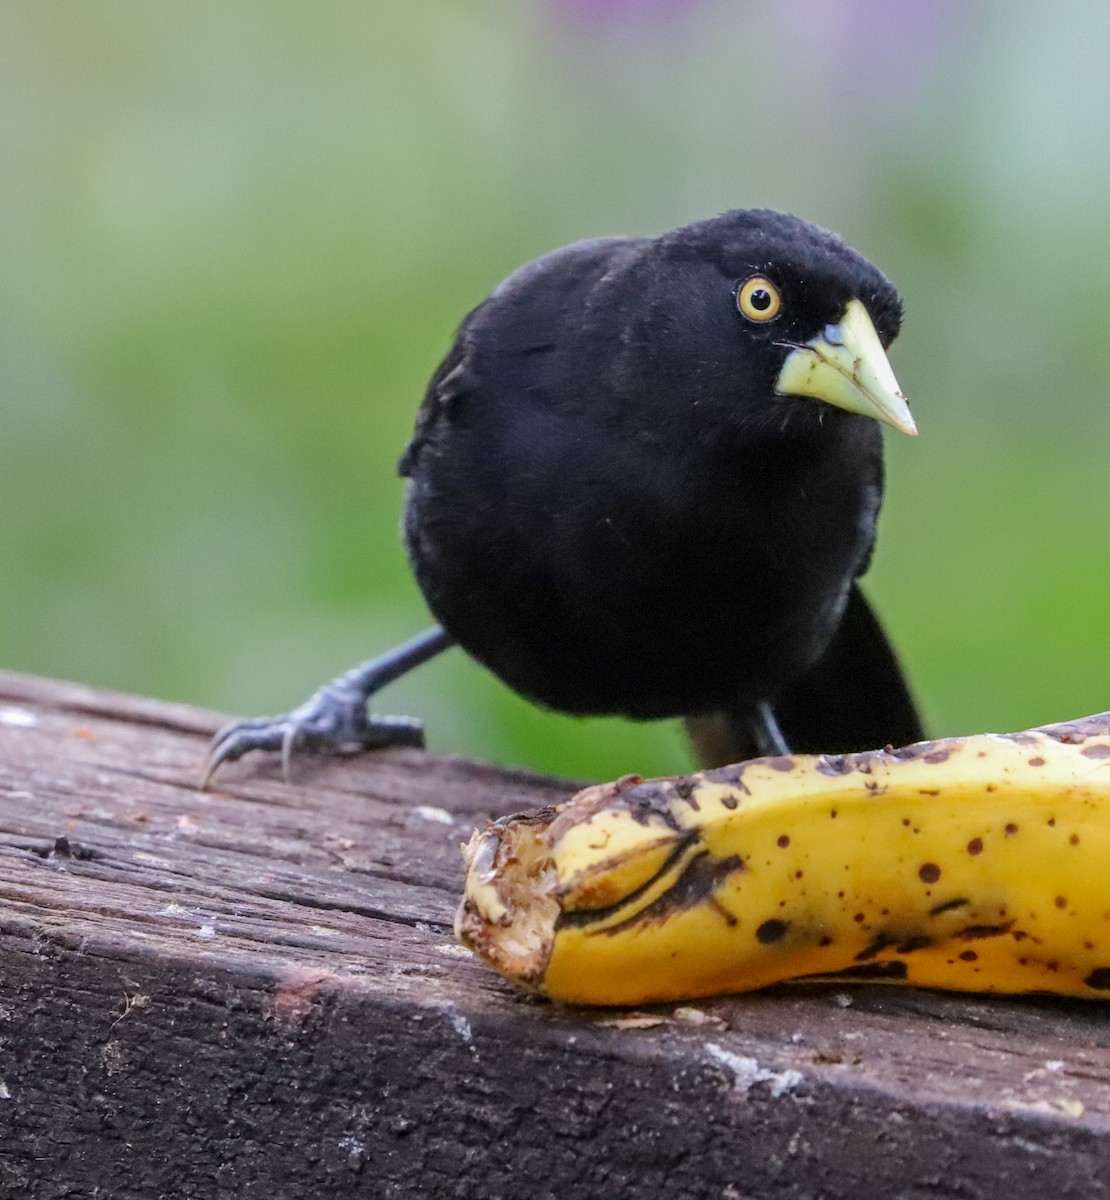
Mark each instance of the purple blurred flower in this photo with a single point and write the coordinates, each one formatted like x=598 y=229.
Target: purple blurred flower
x=869 y=50
x=853 y=51
x=613 y=15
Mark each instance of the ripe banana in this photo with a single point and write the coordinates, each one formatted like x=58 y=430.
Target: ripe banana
x=974 y=864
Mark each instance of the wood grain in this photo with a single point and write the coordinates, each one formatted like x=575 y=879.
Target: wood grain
x=254 y=992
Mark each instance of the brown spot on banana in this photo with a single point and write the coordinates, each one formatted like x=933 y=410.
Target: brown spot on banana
x=682 y=876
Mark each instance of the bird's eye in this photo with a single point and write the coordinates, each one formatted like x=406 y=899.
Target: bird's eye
x=758 y=299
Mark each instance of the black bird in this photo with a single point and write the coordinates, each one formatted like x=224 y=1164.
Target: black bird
x=644 y=481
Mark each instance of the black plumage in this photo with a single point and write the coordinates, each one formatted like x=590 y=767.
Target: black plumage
x=613 y=508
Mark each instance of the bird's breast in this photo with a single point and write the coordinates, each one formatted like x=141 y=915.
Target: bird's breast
x=638 y=585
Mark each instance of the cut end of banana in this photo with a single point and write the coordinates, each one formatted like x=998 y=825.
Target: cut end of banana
x=509 y=910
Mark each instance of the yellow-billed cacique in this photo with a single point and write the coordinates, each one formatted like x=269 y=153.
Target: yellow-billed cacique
x=644 y=481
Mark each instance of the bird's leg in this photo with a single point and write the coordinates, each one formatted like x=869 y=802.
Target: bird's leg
x=767 y=732
x=335 y=718
x=720 y=738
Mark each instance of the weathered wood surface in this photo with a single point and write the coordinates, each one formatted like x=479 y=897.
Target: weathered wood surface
x=255 y=993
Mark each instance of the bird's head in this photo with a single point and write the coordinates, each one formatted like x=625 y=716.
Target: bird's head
x=808 y=316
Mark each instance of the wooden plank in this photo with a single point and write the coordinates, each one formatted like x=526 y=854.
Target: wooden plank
x=255 y=993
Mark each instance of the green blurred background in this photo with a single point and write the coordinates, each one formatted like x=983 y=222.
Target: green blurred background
x=235 y=240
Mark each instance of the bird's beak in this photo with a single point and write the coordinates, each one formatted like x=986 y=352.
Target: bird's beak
x=847 y=366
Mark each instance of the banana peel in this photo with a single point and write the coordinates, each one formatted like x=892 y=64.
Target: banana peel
x=975 y=864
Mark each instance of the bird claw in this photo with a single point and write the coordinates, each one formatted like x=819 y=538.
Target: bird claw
x=334 y=720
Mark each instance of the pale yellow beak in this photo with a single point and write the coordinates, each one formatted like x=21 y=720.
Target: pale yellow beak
x=847 y=366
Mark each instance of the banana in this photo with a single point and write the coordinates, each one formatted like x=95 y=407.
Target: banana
x=973 y=864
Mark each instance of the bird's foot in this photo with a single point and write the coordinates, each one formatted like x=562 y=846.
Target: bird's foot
x=334 y=720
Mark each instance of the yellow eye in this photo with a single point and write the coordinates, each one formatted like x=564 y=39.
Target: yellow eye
x=758 y=299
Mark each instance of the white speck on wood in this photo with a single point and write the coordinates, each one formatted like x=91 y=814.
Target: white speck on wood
x=18 y=718
x=746 y=1072
x=427 y=812
x=461 y=1026
x=692 y=1016
x=454 y=950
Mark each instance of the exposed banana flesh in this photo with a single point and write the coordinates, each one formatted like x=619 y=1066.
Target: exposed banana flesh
x=973 y=864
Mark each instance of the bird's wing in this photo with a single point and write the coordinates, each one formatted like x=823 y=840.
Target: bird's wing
x=448 y=382
x=853 y=698
x=525 y=312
